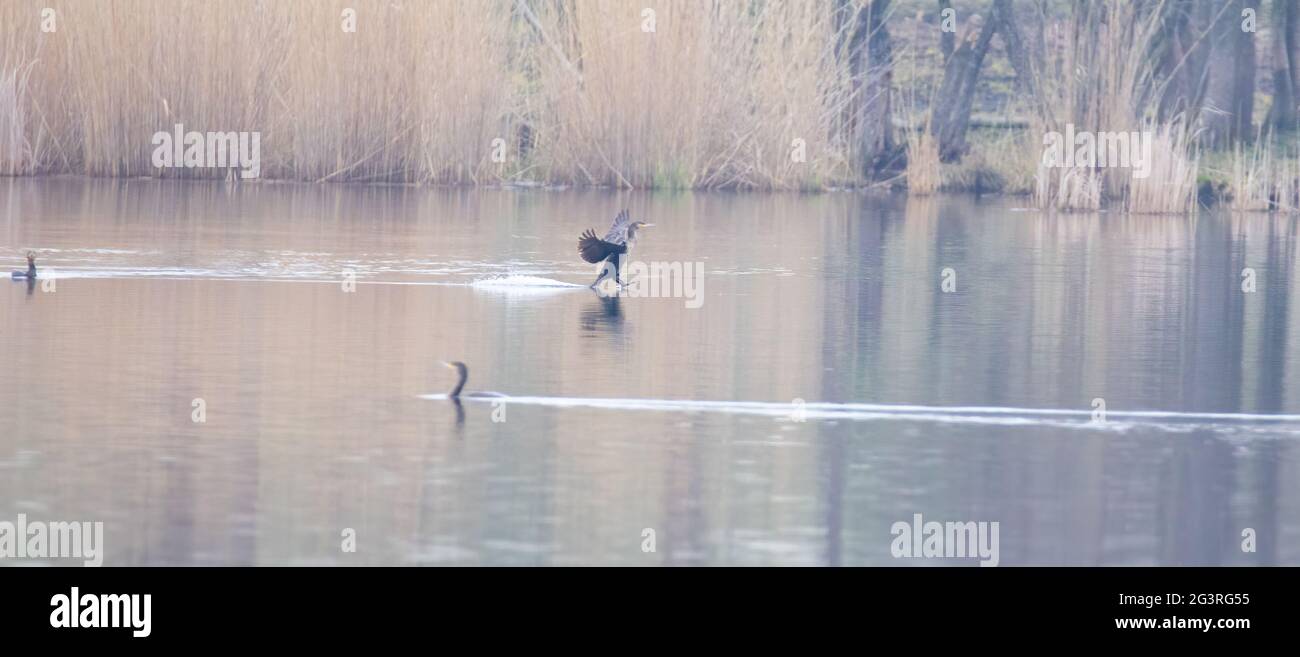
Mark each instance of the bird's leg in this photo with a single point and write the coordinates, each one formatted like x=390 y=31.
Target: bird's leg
x=618 y=271
x=604 y=273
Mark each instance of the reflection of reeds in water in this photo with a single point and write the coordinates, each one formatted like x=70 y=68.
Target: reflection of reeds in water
x=568 y=91
x=909 y=302
x=921 y=211
x=1154 y=232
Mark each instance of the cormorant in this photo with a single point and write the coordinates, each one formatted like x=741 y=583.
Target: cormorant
x=30 y=274
x=617 y=242
x=463 y=373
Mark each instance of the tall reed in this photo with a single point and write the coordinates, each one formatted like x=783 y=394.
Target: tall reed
x=1102 y=81
x=1170 y=187
x=924 y=170
x=1250 y=186
x=1262 y=179
x=743 y=94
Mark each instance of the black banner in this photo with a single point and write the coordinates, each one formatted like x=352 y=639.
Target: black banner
x=313 y=606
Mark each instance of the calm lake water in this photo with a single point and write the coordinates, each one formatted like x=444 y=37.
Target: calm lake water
x=642 y=413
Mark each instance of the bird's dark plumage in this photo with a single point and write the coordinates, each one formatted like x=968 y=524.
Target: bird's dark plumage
x=462 y=375
x=593 y=249
x=617 y=243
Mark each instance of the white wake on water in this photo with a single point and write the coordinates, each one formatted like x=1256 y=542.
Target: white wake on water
x=513 y=283
x=1117 y=421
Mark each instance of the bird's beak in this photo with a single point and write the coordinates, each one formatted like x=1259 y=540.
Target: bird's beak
x=447 y=365
x=647 y=225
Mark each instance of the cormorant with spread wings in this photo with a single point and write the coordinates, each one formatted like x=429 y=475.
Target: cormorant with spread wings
x=617 y=243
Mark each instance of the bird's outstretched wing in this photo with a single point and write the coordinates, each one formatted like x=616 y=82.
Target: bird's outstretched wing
x=593 y=249
x=618 y=230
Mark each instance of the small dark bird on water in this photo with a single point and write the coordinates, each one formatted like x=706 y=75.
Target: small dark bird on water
x=463 y=375
x=617 y=242
x=30 y=274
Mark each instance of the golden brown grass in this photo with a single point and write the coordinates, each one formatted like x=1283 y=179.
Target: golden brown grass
x=1250 y=185
x=1073 y=188
x=414 y=94
x=715 y=96
x=1171 y=186
x=923 y=170
x=19 y=150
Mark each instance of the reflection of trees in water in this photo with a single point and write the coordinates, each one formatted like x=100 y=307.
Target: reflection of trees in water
x=686 y=523
x=1144 y=311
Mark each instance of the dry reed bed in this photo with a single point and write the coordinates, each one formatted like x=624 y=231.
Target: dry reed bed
x=1263 y=176
x=715 y=96
x=1105 y=84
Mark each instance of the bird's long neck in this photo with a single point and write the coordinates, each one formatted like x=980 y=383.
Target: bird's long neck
x=460 y=384
x=31 y=267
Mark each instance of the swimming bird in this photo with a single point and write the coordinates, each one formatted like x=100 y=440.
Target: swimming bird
x=30 y=274
x=617 y=243
x=463 y=375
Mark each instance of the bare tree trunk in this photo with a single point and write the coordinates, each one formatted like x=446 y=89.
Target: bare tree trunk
x=1040 y=31
x=1186 y=39
x=1027 y=73
x=1245 y=77
x=946 y=39
x=866 y=46
x=1229 y=96
x=1282 y=115
x=877 y=137
x=950 y=115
